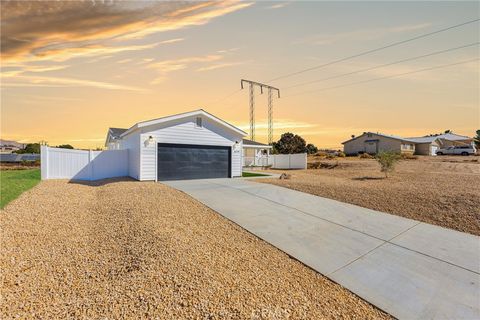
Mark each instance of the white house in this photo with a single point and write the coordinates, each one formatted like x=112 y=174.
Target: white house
x=189 y=145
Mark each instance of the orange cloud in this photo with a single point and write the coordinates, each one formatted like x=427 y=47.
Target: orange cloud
x=62 y=29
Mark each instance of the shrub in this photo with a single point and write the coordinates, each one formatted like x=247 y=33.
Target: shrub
x=408 y=156
x=387 y=160
x=365 y=156
x=341 y=154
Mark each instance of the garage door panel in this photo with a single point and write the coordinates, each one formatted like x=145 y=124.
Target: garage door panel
x=176 y=162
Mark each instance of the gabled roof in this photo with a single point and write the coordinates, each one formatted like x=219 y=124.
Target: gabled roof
x=247 y=142
x=180 y=116
x=381 y=135
x=445 y=136
x=116 y=132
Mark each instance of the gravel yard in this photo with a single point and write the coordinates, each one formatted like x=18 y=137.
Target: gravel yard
x=125 y=249
x=439 y=190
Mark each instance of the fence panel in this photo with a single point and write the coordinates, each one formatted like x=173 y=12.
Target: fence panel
x=58 y=163
x=289 y=161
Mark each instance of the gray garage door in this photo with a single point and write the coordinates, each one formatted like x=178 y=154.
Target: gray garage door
x=181 y=161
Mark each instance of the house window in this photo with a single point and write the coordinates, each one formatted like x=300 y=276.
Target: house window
x=198 y=122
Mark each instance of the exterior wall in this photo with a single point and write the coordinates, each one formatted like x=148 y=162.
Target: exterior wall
x=185 y=131
x=132 y=143
x=383 y=144
x=425 y=148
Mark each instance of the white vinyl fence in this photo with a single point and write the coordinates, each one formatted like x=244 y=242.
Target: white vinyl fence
x=57 y=163
x=289 y=161
x=278 y=161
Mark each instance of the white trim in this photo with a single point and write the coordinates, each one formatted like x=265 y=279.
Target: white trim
x=180 y=116
x=256 y=146
x=156 y=161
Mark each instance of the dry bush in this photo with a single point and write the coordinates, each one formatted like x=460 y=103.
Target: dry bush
x=408 y=156
x=387 y=160
x=365 y=156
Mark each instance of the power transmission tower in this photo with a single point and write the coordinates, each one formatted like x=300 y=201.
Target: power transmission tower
x=252 y=85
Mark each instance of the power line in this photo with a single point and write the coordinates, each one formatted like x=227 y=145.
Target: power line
x=382 y=78
x=227 y=96
x=383 y=65
x=372 y=50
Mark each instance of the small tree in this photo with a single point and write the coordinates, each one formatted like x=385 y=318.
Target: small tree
x=311 y=148
x=65 y=146
x=290 y=143
x=30 y=148
x=387 y=160
x=477 y=139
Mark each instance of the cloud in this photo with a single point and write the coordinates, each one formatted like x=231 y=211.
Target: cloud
x=363 y=34
x=62 y=29
x=219 y=66
x=285 y=124
x=163 y=68
x=279 y=5
x=40 y=81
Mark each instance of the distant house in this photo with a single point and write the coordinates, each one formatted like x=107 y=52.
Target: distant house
x=428 y=145
x=372 y=143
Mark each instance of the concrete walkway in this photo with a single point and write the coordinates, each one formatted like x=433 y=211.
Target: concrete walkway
x=409 y=269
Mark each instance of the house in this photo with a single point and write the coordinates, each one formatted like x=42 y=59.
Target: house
x=255 y=153
x=428 y=145
x=190 y=145
x=372 y=143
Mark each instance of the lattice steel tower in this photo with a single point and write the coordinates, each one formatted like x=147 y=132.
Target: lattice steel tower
x=252 y=85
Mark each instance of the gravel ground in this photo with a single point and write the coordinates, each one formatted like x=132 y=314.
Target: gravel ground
x=125 y=249
x=439 y=190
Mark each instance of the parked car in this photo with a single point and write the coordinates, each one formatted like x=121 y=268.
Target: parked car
x=457 y=150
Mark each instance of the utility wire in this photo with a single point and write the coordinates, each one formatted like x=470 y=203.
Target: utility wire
x=383 y=65
x=225 y=97
x=382 y=78
x=371 y=51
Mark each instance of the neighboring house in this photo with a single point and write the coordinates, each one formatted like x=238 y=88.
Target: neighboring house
x=8 y=146
x=113 y=138
x=372 y=143
x=255 y=153
x=428 y=145
x=189 y=145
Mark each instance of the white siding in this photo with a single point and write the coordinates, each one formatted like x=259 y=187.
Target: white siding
x=185 y=131
x=132 y=143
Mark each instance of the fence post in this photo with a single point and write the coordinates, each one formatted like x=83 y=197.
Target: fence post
x=44 y=162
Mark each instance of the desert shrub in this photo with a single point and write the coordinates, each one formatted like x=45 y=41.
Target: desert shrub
x=408 y=156
x=321 y=154
x=365 y=156
x=330 y=156
x=341 y=154
x=387 y=160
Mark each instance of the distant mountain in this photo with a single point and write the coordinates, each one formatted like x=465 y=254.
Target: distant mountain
x=11 y=143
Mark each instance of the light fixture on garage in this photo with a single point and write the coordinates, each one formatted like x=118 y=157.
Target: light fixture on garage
x=236 y=146
x=150 y=140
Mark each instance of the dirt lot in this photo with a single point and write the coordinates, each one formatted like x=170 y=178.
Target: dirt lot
x=440 y=190
x=135 y=250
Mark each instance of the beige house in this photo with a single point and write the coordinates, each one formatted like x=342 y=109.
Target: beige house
x=429 y=145
x=372 y=143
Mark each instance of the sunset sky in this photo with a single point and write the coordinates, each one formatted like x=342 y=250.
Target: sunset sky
x=70 y=70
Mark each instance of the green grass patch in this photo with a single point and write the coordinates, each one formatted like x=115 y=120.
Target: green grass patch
x=14 y=182
x=251 y=174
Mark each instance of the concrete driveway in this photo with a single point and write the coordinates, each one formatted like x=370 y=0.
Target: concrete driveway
x=409 y=269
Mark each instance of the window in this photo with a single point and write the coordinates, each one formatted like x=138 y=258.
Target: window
x=198 y=122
